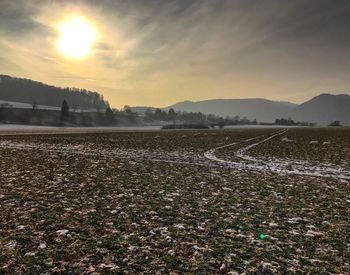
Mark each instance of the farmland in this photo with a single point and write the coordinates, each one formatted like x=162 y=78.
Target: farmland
x=256 y=201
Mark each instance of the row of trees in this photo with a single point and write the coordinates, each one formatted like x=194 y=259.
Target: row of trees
x=194 y=117
x=37 y=116
x=106 y=118
x=160 y=116
x=291 y=122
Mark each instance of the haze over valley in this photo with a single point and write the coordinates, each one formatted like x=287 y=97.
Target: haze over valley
x=322 y=109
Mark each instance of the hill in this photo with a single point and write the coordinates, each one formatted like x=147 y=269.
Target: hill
x=29 y=91
x=324 y=109
x=260 y=109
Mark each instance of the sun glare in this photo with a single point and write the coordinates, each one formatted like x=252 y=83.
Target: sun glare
x=76 y=38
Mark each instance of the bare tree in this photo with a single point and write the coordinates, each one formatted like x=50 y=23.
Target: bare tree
x=34 y=106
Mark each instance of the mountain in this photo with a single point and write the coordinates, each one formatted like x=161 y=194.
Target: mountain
x=261 y=109
x=28 y=91
x=323 y=109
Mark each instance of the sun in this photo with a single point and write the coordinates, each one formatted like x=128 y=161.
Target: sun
x=77 y=37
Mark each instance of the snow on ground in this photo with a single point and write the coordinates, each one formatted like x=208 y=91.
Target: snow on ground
x=30 y=129
x=18 y=127
x=245 y=162
x=278 y=166
x=22 y=105
x=177 y=157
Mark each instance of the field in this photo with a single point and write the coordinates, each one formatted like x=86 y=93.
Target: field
x=252 y=201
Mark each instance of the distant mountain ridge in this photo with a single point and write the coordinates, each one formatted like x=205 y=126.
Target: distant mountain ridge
x=28 y=91
x=322 y=109
x=257 y=108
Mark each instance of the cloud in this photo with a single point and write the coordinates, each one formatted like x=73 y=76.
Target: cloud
x=193 y=48
x=17 y=18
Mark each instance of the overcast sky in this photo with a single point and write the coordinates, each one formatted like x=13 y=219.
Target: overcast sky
x=158 y=52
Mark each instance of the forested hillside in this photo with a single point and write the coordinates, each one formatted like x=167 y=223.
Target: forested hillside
x=29 y=91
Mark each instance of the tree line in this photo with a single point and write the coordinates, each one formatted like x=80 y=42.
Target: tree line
x=291 y=122
x=176 y=117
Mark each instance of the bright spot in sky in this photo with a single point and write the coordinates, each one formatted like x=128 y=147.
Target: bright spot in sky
x=77 y=38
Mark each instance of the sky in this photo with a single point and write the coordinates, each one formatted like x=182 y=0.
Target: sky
x=159 y=52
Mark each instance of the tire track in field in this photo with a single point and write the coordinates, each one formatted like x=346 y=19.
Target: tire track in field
x=278 y=166
x=209 y=159
x=175 y=157
x=180 y=158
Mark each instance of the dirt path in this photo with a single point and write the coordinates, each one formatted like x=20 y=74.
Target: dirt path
x=244 y=161
x=303 y=168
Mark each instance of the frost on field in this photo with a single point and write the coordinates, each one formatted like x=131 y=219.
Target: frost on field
x=90 y=203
